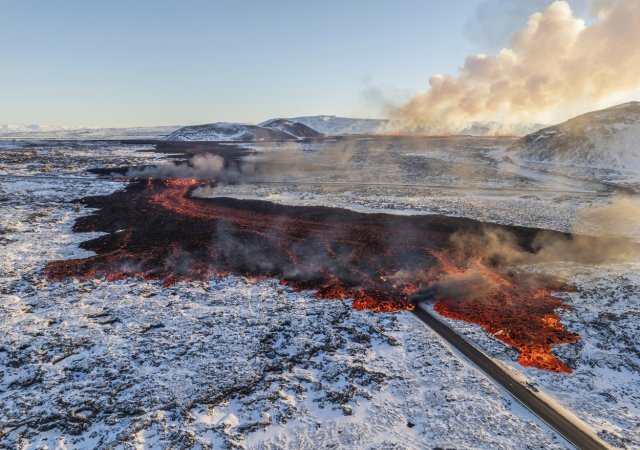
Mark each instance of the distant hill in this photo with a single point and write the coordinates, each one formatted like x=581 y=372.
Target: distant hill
x=332 y=125
x=273 y=130
x=608 y=139
x=295 y=129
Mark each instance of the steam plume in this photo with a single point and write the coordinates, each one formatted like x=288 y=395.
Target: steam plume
x=280 y=161
x=621 y=216
x=200 y=167
x=496 y=21
x=556 y=67
x=500 y=249
x=615 y=224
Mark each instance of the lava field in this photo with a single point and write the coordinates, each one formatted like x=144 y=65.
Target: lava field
x=155 y=230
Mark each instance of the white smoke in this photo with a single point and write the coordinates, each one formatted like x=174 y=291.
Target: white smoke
x=621 y=216
x=494 y=22
x=556 y=67
x=200 y=167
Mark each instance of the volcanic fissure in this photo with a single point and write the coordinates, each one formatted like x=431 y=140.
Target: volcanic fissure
x=155 y=230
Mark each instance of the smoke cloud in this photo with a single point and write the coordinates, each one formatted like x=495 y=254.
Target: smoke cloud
x=472 y=284
x=494 y=22
x=281 y=161
x=558 y=66
x=199 y=167
x=621 y=216
x=500 y=250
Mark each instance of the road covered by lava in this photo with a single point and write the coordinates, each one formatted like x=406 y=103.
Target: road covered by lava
x=156 y=230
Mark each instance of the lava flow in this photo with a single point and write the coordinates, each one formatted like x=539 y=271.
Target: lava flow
x=157 y=231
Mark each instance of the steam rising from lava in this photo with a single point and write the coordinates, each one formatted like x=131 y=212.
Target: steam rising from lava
x=621 y=216
x=279 y=160
x=203 y=166
x=555 y=68
x=502 y=248
x=158 y=231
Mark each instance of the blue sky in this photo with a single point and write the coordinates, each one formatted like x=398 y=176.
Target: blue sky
x=135 y=63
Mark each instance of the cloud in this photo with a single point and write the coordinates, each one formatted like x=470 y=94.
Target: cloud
x=494 y=22
x=556 y=67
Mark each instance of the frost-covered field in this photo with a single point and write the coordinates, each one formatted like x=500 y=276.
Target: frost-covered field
x=604 y=388
x=605 y=311
x=457 y=177
x=235 y=364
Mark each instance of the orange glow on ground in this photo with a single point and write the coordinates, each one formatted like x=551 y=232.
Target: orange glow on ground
x=379 y=260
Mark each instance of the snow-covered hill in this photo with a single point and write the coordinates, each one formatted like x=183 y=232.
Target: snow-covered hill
x=295 y=129
x=607 y=139
x=273 y=130
x=333 y=125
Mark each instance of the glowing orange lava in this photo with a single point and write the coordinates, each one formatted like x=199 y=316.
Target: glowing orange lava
x=525 y=318
x=379 y=260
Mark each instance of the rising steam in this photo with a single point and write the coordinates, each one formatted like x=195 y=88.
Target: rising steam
x=558 y=66
x=621 y=216
x=200 y=167
x=280 y=161
x=616 y=224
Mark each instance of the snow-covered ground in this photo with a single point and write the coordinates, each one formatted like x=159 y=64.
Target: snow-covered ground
x=465 y=179
x=607 y=140
x=603 y=390
x=52 y=132
x=335 y=126
x=230 y=364
x=456 y=177
x=236 y=364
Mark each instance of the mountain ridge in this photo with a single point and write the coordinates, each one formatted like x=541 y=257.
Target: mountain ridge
x=607 y=138
x=274 y=130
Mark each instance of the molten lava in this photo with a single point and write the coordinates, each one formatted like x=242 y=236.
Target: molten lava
x=156 y=231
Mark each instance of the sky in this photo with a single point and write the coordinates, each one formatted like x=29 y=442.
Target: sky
x=144 y=63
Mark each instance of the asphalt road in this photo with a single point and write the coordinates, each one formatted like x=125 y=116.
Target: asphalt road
x=552 y=417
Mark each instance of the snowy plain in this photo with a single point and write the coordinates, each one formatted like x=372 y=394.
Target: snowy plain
x=234 y=364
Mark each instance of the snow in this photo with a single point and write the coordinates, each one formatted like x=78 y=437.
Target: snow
x=275 y=130
x=336 y=126
x=607 y=139
x=603 y=390
x=232 y=363
x=332 y=125
x=67 y=133
x=228 y=363
x=219 y=131
x=294 y=129
x=457 y=177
